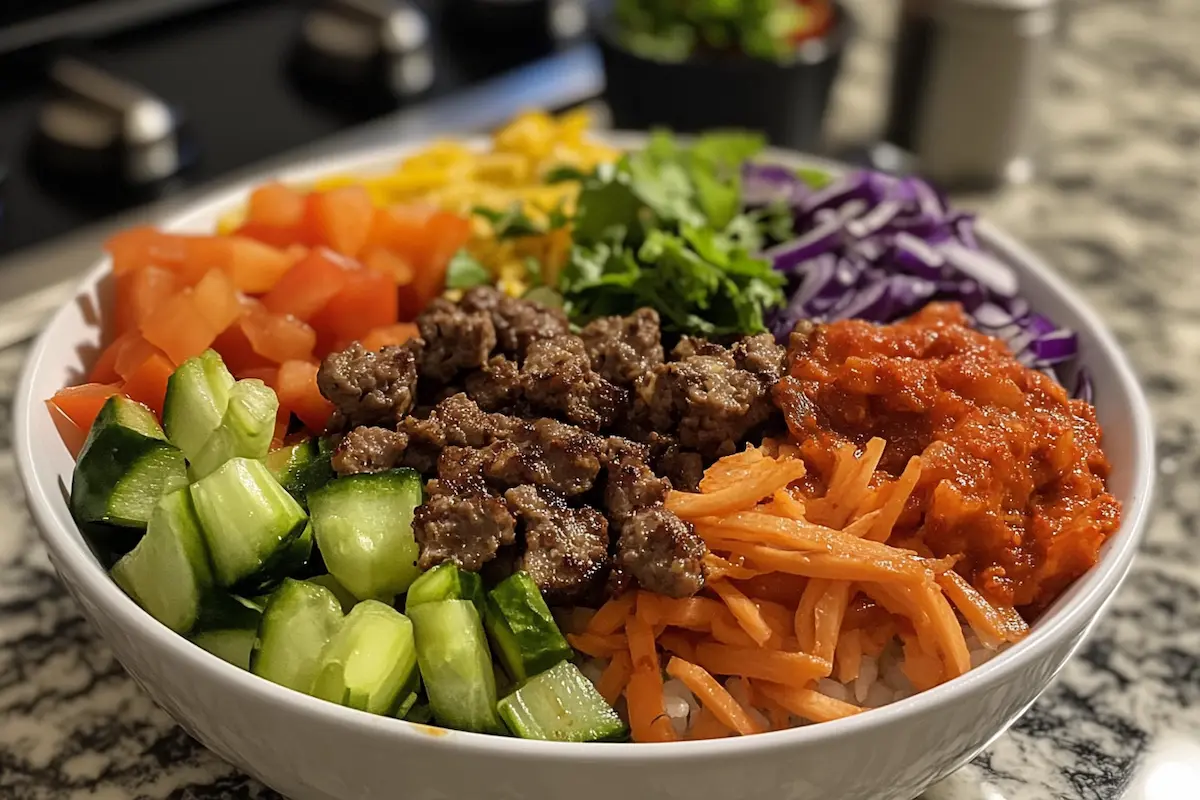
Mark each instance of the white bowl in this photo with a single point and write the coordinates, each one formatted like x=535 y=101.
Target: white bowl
x=312 y=750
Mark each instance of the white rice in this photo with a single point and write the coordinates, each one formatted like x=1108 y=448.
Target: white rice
x=880 y=681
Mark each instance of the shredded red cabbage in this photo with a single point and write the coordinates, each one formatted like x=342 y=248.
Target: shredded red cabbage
x=878 y=247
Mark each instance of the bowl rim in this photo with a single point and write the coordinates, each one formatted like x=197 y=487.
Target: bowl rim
x=1093 y=591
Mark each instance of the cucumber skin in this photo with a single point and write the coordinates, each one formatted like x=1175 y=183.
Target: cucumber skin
x=345 y=645
x=517 y=615
x=446 y=582
x=111 y=452
x=303 y=468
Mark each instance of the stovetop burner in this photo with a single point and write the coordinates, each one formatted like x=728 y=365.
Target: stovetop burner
x=108 y=122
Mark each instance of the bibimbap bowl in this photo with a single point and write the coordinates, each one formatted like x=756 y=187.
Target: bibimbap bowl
x=308 y=748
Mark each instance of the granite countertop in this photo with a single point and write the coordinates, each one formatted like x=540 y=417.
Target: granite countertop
x=1117 y=209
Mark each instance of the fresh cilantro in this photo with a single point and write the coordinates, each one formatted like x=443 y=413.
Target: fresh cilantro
x=663 y=228
x=564 y=174
x=815 y=178
x=464 y=272
x=511 y=223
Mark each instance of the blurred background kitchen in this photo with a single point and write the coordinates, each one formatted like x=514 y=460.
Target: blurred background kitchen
x=1074 y=124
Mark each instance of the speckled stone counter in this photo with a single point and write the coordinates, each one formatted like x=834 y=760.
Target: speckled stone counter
x=1117 y=209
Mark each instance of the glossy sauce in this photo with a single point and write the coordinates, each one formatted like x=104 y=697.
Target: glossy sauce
x=1013 y=477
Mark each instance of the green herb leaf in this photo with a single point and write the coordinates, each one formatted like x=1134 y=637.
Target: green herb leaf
x=464 y=271
x=564 y=174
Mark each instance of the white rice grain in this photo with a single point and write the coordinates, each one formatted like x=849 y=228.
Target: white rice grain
x=868 y=673
x=832 y=688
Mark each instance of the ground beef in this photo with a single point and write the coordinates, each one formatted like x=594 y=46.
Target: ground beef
x=661 y=552
x=557 y=377
x=518 y=323
x=684 y=468
x=466 y=528
x=370 y=388
x=566 y=549
x=706 y=399
x=761 y=356
x=631 y=484
x=456 y=339
x=369 y=449
x=497 y=387
x=622 y=349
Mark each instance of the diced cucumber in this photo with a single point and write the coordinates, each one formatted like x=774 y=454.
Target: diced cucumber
x=371 y=662
x=420 y=712
x=125 y=467
x=168 y=573
x=522 y=629
x=302 y=467
x=245 y=430
x=295 y=558
x=248 y=521
x=227 y=628
x=456 y=665
x=298 y=622
x=197 y=394
x=561 y=705
x=363 y=525
x=343 y=595
x=445 y=582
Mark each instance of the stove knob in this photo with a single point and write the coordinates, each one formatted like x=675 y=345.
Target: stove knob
x=99 y=125
x=369 y=45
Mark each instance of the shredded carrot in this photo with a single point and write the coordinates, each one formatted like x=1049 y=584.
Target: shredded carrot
x=648 y=610
x=785 y=504
x=780 y=717
x=726 y=630
x=707 y=726
x=615 y=677
x=806 y=703
x=849 y=485
x=648 y=720
x=761 y=480
x=595 y=645
x=992 y=626
x=793 y=669
x=824 y=565
x=713 y=696
x=610 y=617
x=805 y=618
x=849 y=655
x=732 y=469
x=828 y=614
x=744 y=611
x=797 y=535
x=716 y=568
x=777 y=587
x=899 y=492
x=922 y=668
x=678 y=643
x=692 y=613
x=641 y=644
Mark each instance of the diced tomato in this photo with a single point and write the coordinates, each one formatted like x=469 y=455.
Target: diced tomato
x=275 y=237
x=81 y=404
x=144 y=246
x=279 y=338
x=342 y=218
x=368 y=301
x=148 y=384
x=298 y=392
x=445 y=233
x=380 y=259
x=275 y=205
x=237 y=352
x=105 y=368
x=140 y=291
x=401 y=229
x=71 y=434
x=399 y=333
x=254 y=266
x=217 y=299
x=309 y=285
x=178 y=328
x=133 y=354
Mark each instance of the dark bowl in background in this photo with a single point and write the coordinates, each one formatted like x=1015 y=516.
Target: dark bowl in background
x=786 y=101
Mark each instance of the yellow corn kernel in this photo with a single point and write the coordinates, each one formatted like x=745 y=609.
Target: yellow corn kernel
x=506 y=169
x=513 y=287
x=230 y=222
x=531 y=133
x=574 y=124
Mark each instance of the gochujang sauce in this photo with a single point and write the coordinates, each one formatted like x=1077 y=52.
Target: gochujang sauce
x=1013 y=477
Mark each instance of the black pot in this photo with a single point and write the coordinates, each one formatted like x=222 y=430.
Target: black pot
x=784 y=101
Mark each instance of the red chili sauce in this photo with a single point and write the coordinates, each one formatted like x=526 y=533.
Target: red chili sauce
x=1012 y=477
